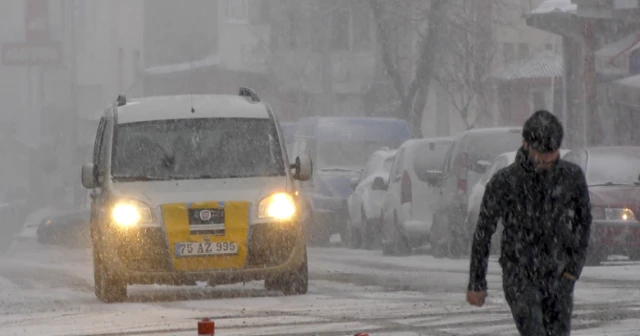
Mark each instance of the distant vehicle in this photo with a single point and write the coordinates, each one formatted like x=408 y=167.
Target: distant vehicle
x=339 y=148
x=466 y=161
x=288 y=132
x=477 y=192
x=412 y=194
x=365 y=203
x=70 y=229
x=613 y=176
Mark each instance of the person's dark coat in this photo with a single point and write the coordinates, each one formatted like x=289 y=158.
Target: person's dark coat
x=546 y=218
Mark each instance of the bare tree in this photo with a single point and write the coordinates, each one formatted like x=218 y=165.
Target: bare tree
x=453 y=44
x=466 y=57
x=396 y=22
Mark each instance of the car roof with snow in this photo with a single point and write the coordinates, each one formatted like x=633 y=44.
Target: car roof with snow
x=385 y=152
x=179 y=107
x=491 y=130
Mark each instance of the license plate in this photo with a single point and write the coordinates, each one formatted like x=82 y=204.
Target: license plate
x=206 y=249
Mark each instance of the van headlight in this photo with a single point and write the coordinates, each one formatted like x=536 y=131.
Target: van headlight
x=279 y=206
x=127 y=214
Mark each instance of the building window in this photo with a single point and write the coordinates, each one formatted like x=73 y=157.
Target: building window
x=236 y=10
x=259 y=13
x=508 y=52
x=523 y=51
x=340 y=22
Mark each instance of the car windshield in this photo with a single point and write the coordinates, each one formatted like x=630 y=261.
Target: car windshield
x=603 y=169
x=488 y=146
x=196 y=149
x=348 y=144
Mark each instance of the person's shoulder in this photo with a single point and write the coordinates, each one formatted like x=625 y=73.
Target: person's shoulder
x=569 y=168
x=502 y=177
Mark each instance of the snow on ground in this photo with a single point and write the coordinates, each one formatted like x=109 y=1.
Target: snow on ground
x=49 y=290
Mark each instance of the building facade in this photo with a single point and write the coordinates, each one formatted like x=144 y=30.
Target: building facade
x=58 y=103
x=587 y=29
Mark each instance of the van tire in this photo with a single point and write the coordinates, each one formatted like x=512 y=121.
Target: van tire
x=108 y=287
x=291 y=283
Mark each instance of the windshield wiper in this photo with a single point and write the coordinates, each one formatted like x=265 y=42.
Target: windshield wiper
x=137 y=178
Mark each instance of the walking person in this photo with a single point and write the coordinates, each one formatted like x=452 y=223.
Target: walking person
x=544 y=205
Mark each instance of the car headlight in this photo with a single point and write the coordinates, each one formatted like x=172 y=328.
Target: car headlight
x=623 y=214
x=127 y=214
x=277 y=206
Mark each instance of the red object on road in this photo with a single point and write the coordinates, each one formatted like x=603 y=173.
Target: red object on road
x=206 y=327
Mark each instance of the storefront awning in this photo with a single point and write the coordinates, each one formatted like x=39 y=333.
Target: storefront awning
x=543 y=65
x=172 y=69
x=555 y=16
x=626 y=91
x=614 y=59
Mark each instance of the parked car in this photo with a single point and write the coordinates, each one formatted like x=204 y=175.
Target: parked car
x=477 y=192
x=466 y=161
x=70 y=229
x=365 y=203
x=411 y=196
x=339 y=148
x=613 y=176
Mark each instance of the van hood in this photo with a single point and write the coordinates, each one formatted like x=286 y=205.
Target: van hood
x=156 y=193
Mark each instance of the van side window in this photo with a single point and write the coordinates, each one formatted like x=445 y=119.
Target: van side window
x=98 y=141
x=448 y=158
x=102 y=154
x=397 y=165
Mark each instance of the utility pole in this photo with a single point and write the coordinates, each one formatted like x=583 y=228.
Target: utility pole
x=325 y=59
x=69 y=23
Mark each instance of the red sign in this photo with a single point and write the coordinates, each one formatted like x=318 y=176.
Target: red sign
x=36 y=21
x=31 y=54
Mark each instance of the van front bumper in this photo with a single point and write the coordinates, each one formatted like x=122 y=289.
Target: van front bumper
x=142 y=256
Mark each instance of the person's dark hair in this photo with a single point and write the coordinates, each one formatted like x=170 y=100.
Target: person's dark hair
x=543 y=132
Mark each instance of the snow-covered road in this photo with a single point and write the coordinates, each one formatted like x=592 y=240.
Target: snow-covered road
x=48 y=291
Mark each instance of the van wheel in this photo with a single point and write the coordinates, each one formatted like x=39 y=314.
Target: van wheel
x=108 y=287
x=353 y=239
x=369 y=233
x=291 y=283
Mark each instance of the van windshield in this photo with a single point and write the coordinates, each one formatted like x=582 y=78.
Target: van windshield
x=210 y=148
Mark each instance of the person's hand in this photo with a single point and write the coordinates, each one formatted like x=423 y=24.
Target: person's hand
x=476 y=298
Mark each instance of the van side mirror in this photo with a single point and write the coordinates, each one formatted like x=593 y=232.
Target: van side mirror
x=89 y=180
x=303 y=168
x=379 y=184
